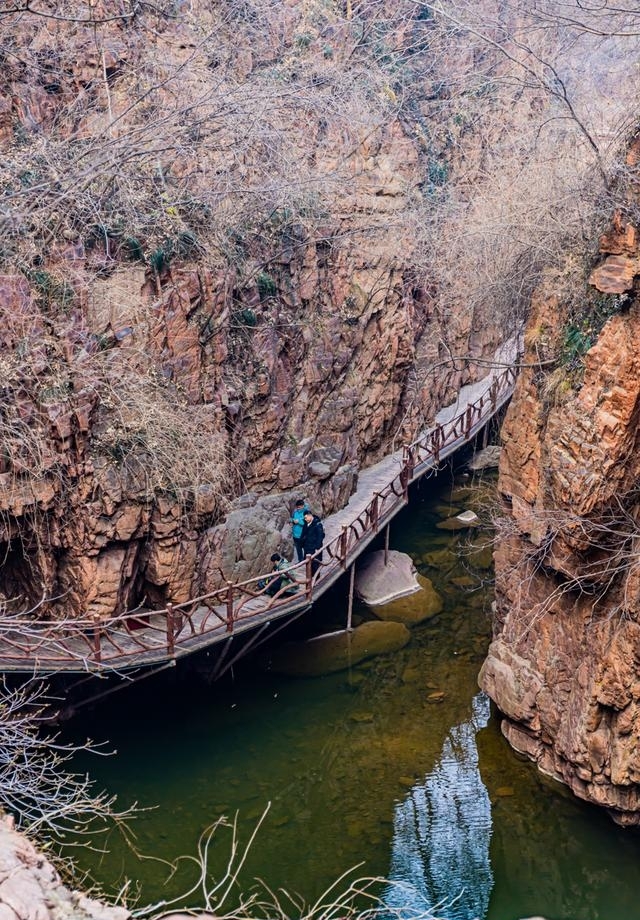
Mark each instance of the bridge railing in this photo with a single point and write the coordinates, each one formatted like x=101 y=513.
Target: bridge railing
x=139 y=635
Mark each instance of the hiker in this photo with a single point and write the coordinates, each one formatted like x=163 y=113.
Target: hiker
x=297 y=523
x=312 y=538
x=276 y=583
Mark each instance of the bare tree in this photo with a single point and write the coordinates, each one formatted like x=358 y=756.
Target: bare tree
x=36 y=786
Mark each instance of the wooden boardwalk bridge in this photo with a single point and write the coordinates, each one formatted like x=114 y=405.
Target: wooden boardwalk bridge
x=153 y=639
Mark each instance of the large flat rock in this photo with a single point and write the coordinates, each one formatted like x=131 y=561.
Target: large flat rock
x=377 y=583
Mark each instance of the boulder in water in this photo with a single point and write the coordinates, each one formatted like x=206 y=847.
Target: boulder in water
x=480 y=553
x=339 y=650
x=460 y=522
x=415 y=608
x=377 y=583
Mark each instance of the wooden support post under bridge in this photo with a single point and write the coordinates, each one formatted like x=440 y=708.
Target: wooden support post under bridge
x=229 y=606
x=352 y=578
x=97 y=651
x=342 y=552
x=308 y=578
x=485 y=435
x=171 y=634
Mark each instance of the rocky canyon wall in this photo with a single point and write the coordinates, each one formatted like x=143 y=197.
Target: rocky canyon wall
x=291 y=397
x=564 y=665
x=247 y=249
x=213 y=300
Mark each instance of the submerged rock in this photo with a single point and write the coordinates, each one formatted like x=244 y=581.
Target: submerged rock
x=361 y=717
x=377 y=583
x=415 y=608
x=447 y=511
x=465 y=581
x=436 y=697
x=460 y=522
x=339 y=650
x=463 y=494
x=480 y=554
x=443 y=559
x=410 y=675
x=486 y=459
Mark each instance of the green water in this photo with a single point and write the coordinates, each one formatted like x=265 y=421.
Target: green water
x=361 y=767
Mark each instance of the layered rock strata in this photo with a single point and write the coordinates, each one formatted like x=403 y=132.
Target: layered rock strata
x=564 y=665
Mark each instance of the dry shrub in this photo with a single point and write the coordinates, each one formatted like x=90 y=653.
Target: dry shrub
x=150 y=429
x=556 y=388
x=36 y=785
x=139 y=420
x=534 y=173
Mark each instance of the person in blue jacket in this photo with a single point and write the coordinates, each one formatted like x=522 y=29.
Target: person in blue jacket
x=297 y=523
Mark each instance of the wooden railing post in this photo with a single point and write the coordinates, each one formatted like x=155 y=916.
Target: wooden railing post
x=493 y=392
x=468 y=421
x=97 y=651
x=436 y=442
x=404 y=482
x=308 y=576
x=171 y=631
x=374 y=512
x=229 y=607
x=342 y=547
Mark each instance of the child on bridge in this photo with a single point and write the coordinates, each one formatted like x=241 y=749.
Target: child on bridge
x=281 y=579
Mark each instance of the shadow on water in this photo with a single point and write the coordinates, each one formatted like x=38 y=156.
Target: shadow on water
x=396 y=763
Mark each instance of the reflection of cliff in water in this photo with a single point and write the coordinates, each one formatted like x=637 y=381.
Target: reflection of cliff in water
x=440 y=849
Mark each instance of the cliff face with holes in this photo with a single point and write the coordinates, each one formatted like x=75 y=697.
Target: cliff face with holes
x=564 y=665
x=212 y=298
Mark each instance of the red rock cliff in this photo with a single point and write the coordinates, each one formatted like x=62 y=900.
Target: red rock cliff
x=564 y=665
x=211 y=288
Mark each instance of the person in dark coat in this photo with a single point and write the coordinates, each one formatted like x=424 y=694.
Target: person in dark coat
x=312 y=538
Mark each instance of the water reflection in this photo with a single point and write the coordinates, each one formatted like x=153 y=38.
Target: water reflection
x=440 y=850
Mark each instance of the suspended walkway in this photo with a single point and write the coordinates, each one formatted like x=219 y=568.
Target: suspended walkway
x=152 y=639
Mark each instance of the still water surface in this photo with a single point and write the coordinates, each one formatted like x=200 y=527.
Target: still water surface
x=361 y=767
